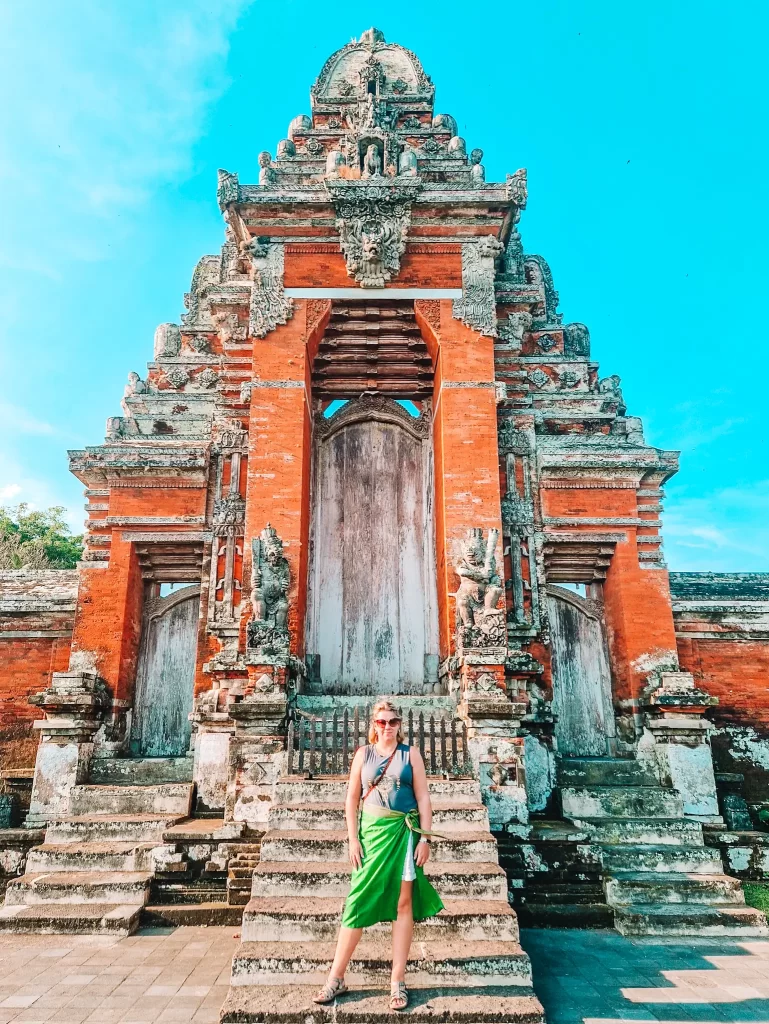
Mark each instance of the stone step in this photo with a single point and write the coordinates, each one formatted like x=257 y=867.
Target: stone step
x=665 y=858
x=122 y=828
x=689 y=919
x=585 y=772
x=140 y=771
x=634 y=831
x=290 y=878
x=447 y=816
x=114 y=887
x=89 y=857
x=191 y=915
x=293 y=789
x=429 y=1004
x=71 y=918
x=319 y=845
x=473 y=964
x=170 y=798
x=657 y=887
x=316 y=919
x=620 y=802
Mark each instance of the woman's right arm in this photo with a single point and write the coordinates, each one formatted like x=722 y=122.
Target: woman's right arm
x=351 y=809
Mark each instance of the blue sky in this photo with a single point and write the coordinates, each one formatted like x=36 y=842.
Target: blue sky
x=643 y=128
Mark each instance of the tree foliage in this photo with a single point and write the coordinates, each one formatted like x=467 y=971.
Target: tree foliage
x=31 y=539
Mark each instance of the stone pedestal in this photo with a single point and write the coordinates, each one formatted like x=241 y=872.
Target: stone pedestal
x=682 y=743
x=74 y=706
x=211 y=743
x=494 y=739
x=257 y=751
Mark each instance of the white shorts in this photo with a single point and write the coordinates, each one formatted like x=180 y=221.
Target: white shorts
x=409 y=867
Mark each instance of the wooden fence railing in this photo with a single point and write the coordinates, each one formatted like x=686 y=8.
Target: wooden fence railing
x=325 y=744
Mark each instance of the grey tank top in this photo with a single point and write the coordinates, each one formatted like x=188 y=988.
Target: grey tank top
x=396 y=790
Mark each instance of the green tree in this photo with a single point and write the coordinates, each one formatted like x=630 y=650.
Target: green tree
x=37 y=539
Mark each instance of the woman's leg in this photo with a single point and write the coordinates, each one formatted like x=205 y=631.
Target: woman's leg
x=403 y=931
x=345 y=947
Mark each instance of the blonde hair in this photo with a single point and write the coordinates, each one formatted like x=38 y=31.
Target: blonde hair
x=383 y=705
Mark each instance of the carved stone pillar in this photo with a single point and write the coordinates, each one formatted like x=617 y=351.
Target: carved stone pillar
x=682 y=742
x=257 y=751
x=74 y=706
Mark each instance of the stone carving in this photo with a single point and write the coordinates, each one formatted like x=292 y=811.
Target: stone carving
x=517 y=188
x=517 y=511
x=368 y=405
x=270 y=579
x=537 y=272
x=301 y=123
x=500 y=392
x=456 y=147
x=399 y=86
x=445 y=123
x=546 y=342
x=286 y=148
x=207 y=378
x=479 y=622
x=263 y=685
x=227 y=189
x=477 y=170
x=205 y=276
x=230 y=329
x=114 y=428
x=168 y=341
x=373 y=219
x=231 y=436
x=407 y=163
x=569 y=379
x=477 y=307
x=177 y=378
x=245 y=390
x=411 y=123
x=576 y=339
x=334 y=160
x=610 y=388
x=334 y=123
x=372 y=162
x=513 y=329
x=345 y=88
x=512 y=441
x=539 y=378
x=432 y=147
x=199 y=343
x=229 y=516
x=135 y=385
x=485 y=683
x=314 y=147
x=267 y=173
x=269 y=304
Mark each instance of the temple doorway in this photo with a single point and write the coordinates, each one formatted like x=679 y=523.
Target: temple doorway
x=372 y=602
x=165 y=674
x=582 y=700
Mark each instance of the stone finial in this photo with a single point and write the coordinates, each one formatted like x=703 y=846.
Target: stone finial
x=457 y=147
x=286 y=148
x=610 y=387
x=135 y=385
x=371 y=37
x=517 y=188
x=445 y=123
x=301 y=123
x=267 y=173
x=168 y=340
x=334 y=160
x=477 y=170
x=407 y=163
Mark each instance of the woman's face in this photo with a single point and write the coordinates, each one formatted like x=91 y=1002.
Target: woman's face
x=387 y=723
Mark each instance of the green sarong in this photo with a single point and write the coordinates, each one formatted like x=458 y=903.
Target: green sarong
x=376 y=884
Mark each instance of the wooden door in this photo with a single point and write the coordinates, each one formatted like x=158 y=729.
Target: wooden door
x=165 y=675
x=372 y=603
x=581 y=680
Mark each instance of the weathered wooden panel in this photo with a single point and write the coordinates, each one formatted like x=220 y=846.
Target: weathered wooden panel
x=372 y=583
x=165 y=675
x=581 y=678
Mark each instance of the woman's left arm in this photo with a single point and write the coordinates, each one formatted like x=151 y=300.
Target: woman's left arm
x=422 y=793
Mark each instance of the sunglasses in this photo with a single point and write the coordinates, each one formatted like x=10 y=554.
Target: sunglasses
x=382 y=722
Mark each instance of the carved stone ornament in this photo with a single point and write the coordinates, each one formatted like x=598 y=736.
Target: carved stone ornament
x=168 y=340
x=373 y=219
x=479 y=622
x=371 y=406
x=511 y=440
x=230 y=329
x=546 y=343
x=539 y=378
x=517 y=511
x=569 y=379
x=485 y=683
x=229 y=516
x=610 y=388
x=269 y=304
x=517 y=188
x=411 y=123
x=228 y=189
x=230 y=436
x=177 y=378
x=513 y=329
x=270 y=579
x=207 y=379
x=477 y=307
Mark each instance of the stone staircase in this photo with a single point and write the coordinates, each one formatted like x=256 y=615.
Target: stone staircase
x=465 y=963
x=92 y=872
x=658 y=876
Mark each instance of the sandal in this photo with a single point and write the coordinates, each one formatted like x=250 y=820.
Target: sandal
x=334 y=987
x=399 y=995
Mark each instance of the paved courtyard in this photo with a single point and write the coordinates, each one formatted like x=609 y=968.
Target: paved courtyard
x=181 y=975
x=602 y=978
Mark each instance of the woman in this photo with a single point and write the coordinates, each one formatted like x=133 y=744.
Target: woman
x=388 y=883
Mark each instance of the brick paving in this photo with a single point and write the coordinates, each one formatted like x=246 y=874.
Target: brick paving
x=160 y=975
x=603 y=978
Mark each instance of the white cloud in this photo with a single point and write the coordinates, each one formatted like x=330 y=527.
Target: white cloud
x=15 y=420
x=726 y=531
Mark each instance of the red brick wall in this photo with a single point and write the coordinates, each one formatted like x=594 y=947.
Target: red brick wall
x=26 y=665
x=736 y=671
